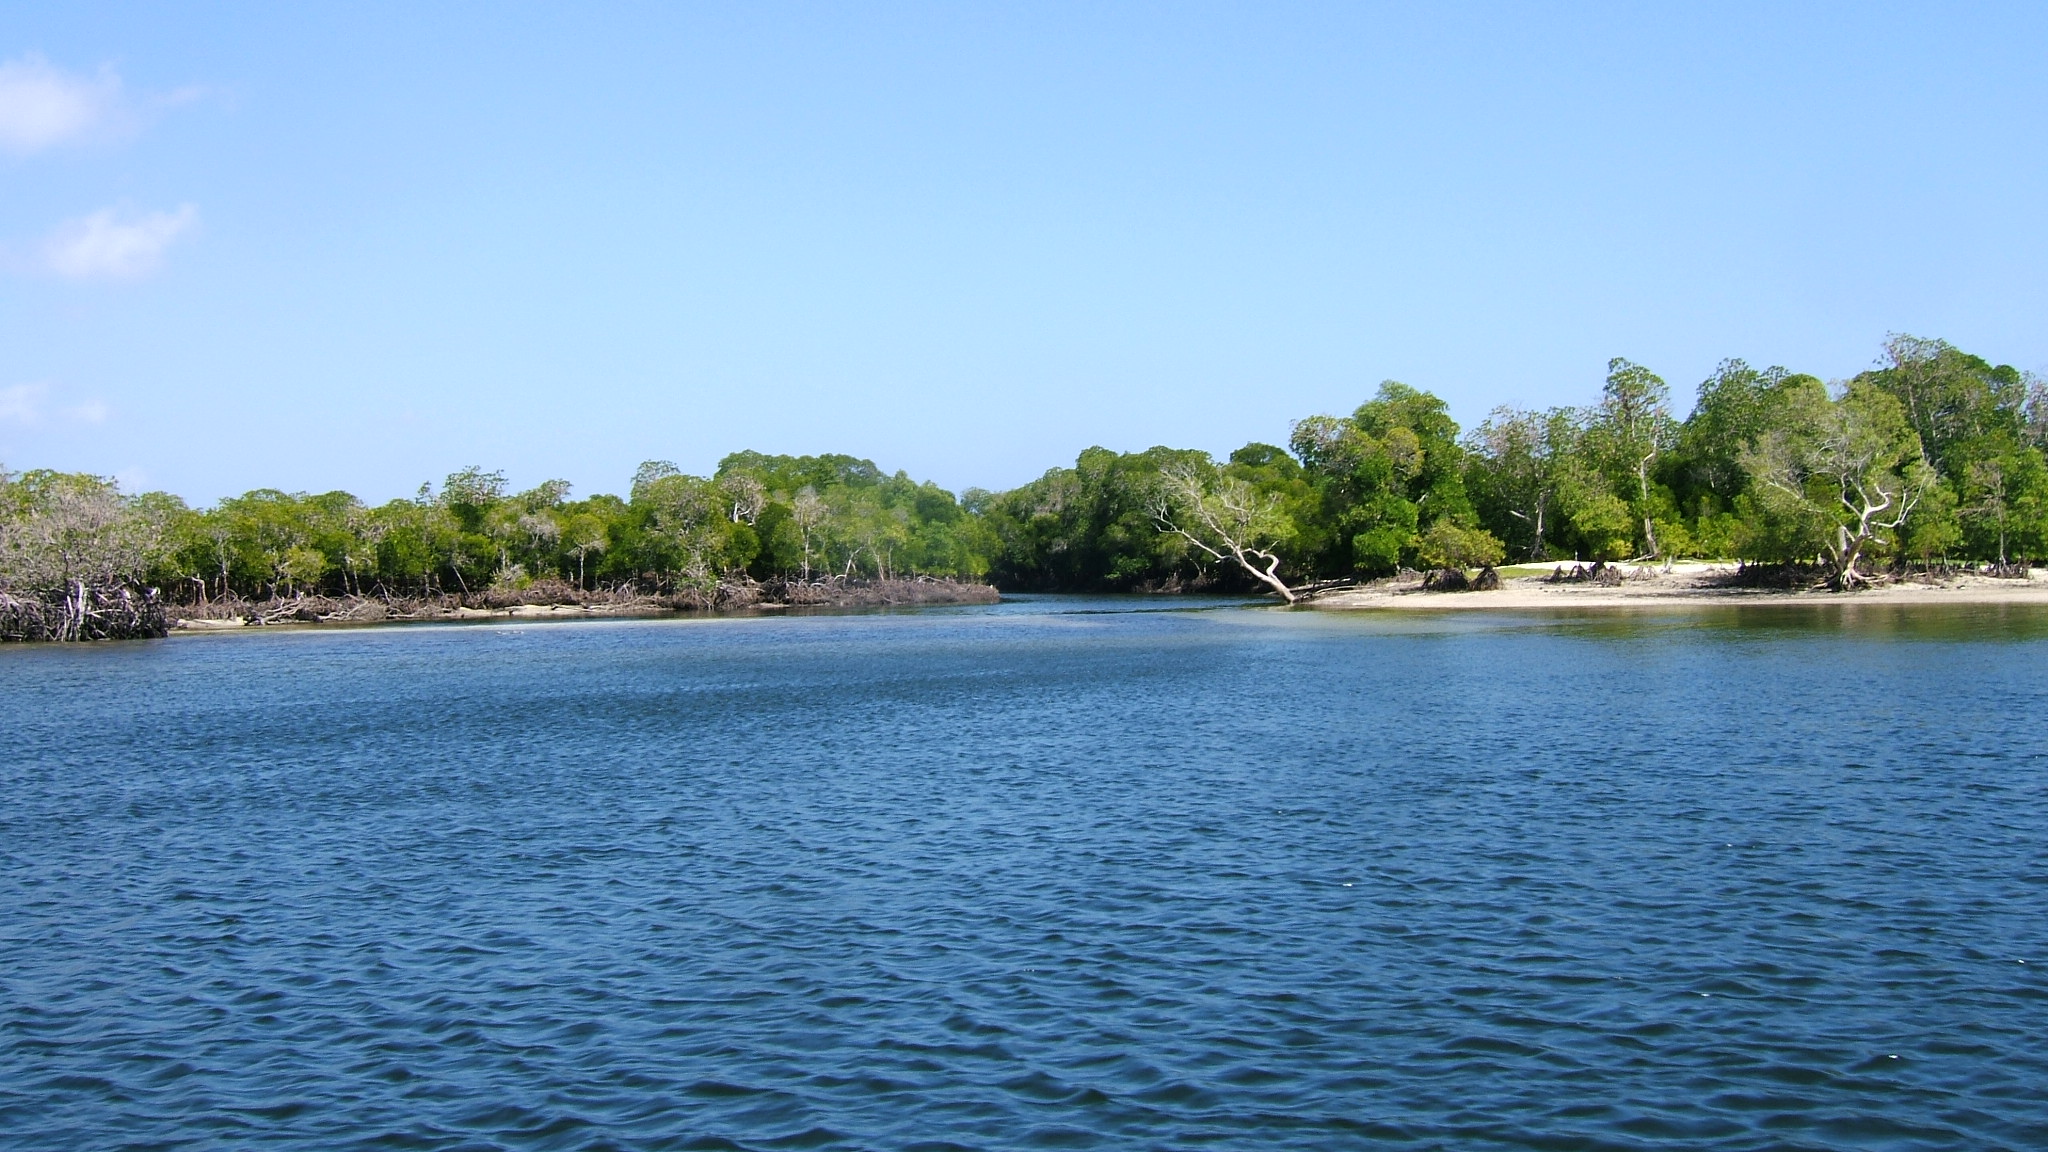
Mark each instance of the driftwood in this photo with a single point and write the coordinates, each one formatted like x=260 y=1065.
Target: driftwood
x=734 y=593
x=836 y=593
x=1318 y=588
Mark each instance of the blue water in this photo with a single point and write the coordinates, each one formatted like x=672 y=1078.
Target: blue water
x=1027 y=876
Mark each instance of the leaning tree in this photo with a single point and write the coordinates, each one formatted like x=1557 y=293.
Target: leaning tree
x=1226 y=518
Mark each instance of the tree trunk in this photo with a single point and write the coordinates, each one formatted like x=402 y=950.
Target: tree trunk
x=1643 y=486
x=1269 y=575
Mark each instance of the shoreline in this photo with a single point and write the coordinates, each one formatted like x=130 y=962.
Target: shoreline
x=190 y=626
x=1686 y=586
x=537 y=613
x=370 y=612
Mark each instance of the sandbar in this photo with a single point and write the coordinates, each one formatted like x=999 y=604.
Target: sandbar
x=1683 y=585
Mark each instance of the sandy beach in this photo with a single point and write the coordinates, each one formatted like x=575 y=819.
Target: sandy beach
x=1685 y=585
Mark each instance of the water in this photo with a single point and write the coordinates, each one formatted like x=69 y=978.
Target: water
x=1031 y=877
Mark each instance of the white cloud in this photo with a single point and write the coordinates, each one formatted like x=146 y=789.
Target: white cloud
x=108 y=244
x=28 y=404
x=42 y=106
x=22 y=403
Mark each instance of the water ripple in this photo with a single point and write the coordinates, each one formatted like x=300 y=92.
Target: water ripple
x=1021 y=878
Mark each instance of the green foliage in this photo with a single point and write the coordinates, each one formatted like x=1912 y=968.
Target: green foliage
x=1601 y=524
x=794 y=515
x=1380 y=477
x=675 y=531
x=1847 y=478
x=1934 y=454
x=1737 y=406
x=1521 y=469
x=1926 y=456
x=1960 y=406
x=1627 y=438
x=1091 y=526
x=2004 y=493
x=1448 y=545
x=1716 y=534
x=1934 y=532
x=61 y=532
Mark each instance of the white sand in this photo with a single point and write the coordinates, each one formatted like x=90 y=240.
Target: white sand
x=210 y=625
x=1687 y=585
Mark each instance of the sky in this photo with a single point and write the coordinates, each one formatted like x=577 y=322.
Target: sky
x=361 y=246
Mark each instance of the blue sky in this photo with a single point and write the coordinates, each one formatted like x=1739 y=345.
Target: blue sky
x=361 y=246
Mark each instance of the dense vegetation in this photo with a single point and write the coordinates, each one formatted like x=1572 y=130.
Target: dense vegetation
x=1934 y=456
x=810 y=518
x=766 y=515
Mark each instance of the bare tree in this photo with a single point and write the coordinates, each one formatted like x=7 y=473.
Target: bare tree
x=541 y=530
x=878 y=530
x=1992 y=488
x=1634 y=421
x=80 y=541
x=360 y=536
x=1225 y=518
x=1523 y=460
x=650 y=473
x=2035 y=408
x=473 y=487
x=745 y=496
x=220 y=540
x=807 y=511
x=586 y=535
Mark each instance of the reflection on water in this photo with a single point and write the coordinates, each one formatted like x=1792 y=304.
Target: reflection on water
x=1882 y=623
x=1048 y=873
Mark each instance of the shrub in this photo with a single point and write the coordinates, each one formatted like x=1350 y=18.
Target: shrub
x=1447 y=545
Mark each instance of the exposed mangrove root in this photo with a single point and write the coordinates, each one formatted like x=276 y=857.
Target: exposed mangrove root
x=1601 y=573
x=84 y=613
x=1456 y=580
x=735 y=593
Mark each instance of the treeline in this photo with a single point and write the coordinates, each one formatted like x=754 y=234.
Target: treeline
x=808 y=518
x=1933 y=457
